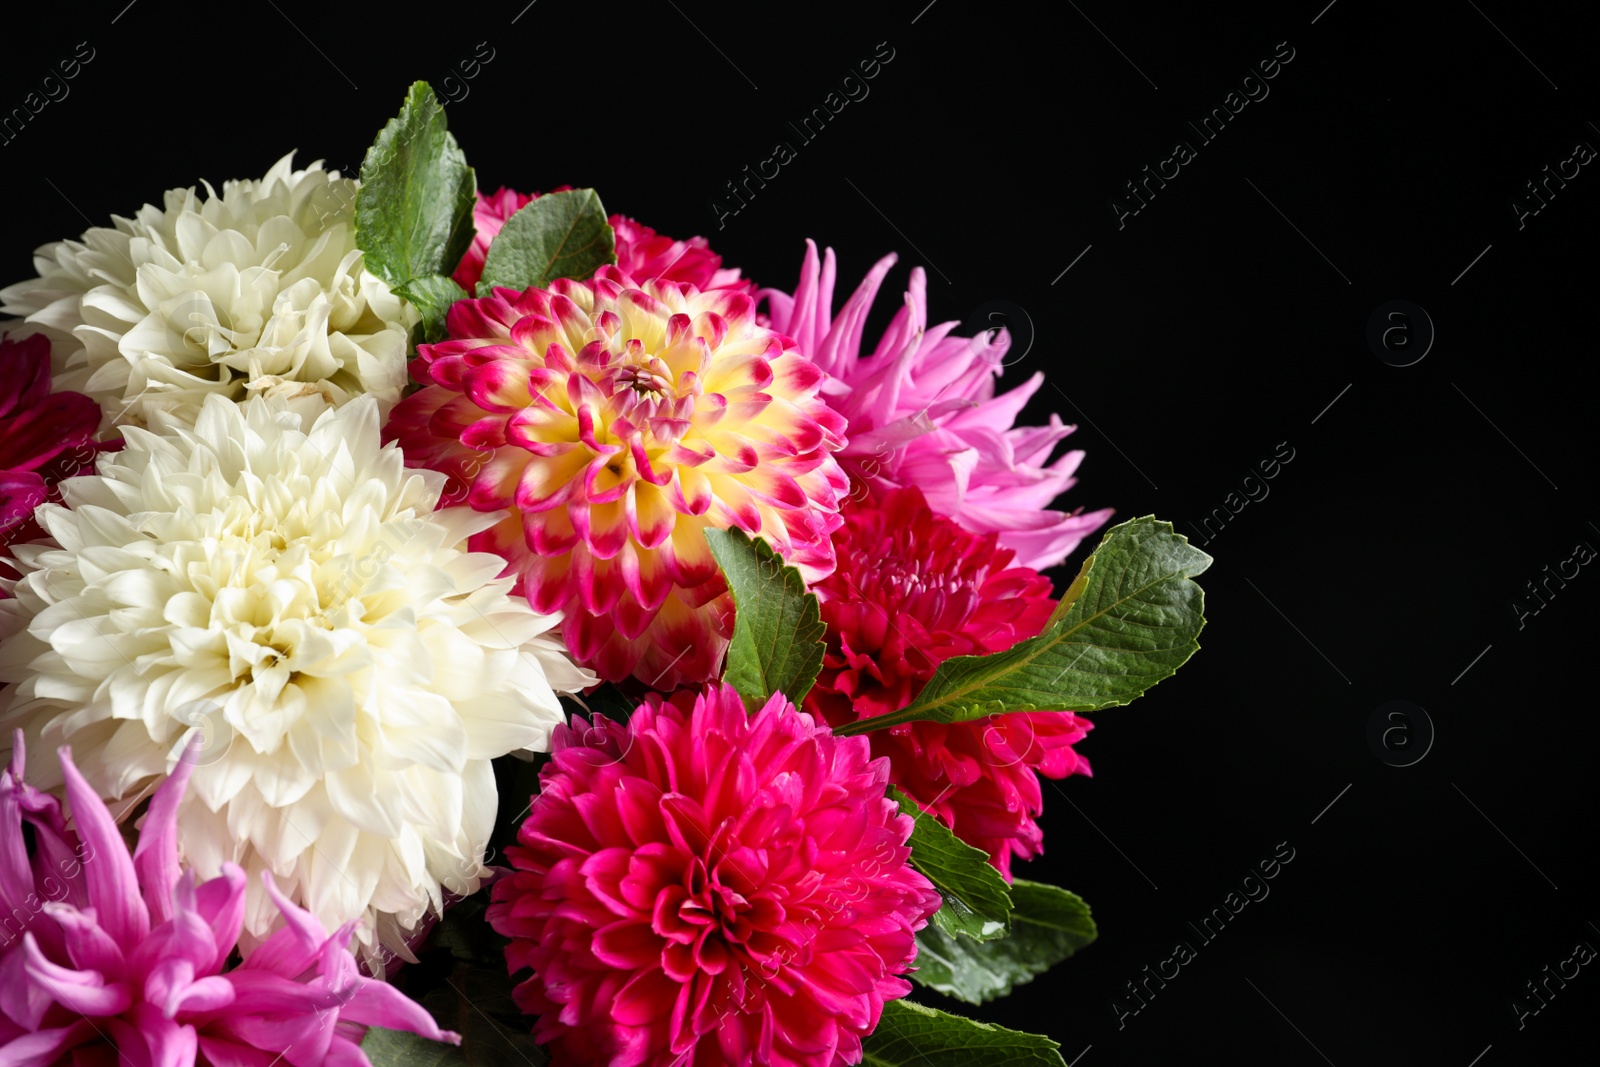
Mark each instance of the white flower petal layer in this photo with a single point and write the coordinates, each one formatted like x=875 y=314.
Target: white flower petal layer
x=259 y=290
x=291 y=595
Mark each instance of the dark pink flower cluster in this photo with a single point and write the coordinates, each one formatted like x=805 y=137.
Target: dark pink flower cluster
x=912 y=589
x=44 y=436
x=705 y=886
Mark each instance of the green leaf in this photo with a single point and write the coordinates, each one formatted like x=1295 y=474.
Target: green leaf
x=976 y=902
x=433 y=295
x=414 y=207
x=777 y=628
x=1129 y=620
x=1048 y=924
x=559 y=235
x=910 y=1035
x=400 y=1048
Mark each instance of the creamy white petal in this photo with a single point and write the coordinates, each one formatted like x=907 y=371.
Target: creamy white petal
x=259 y=290
x=283 y=588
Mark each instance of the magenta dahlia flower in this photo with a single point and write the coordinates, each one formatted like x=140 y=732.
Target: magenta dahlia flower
x=616 y=420
x=703 y=886
x=912 y=589
x=641 y=252
x=107 y=958
x=922 y=411
x=44 y=436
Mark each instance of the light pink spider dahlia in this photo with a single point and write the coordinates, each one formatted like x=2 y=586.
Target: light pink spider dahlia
x=703 y=886
x=110 y=958
x=922 y=411
x=615 y=421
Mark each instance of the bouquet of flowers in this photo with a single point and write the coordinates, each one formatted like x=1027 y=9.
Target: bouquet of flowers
x=437 y=625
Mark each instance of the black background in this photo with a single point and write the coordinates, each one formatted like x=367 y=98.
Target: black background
x=1218 y=322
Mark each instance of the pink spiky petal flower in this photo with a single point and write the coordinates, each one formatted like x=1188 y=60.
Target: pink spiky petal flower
x=617 y=420
x=703 y=886
x=113 y=958
x=922 y=411
x=641 y=252
x=912 y=589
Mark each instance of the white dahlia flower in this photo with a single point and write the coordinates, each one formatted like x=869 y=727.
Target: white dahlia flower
x=258 y=290
x=293 y=596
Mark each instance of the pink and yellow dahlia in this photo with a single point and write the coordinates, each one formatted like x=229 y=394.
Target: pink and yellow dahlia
x=912 y=589
x=922 y=411
x=703 y=886
x=111 y=958
x=616 y=420
x=641 y=252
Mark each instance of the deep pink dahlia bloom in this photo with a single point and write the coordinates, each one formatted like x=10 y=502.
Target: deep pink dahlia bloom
x=704 y=886
x=615 y=420
x=641 y=252
x=911 y=589
x=107 y=958
x=40 y=431
x=922 y=411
